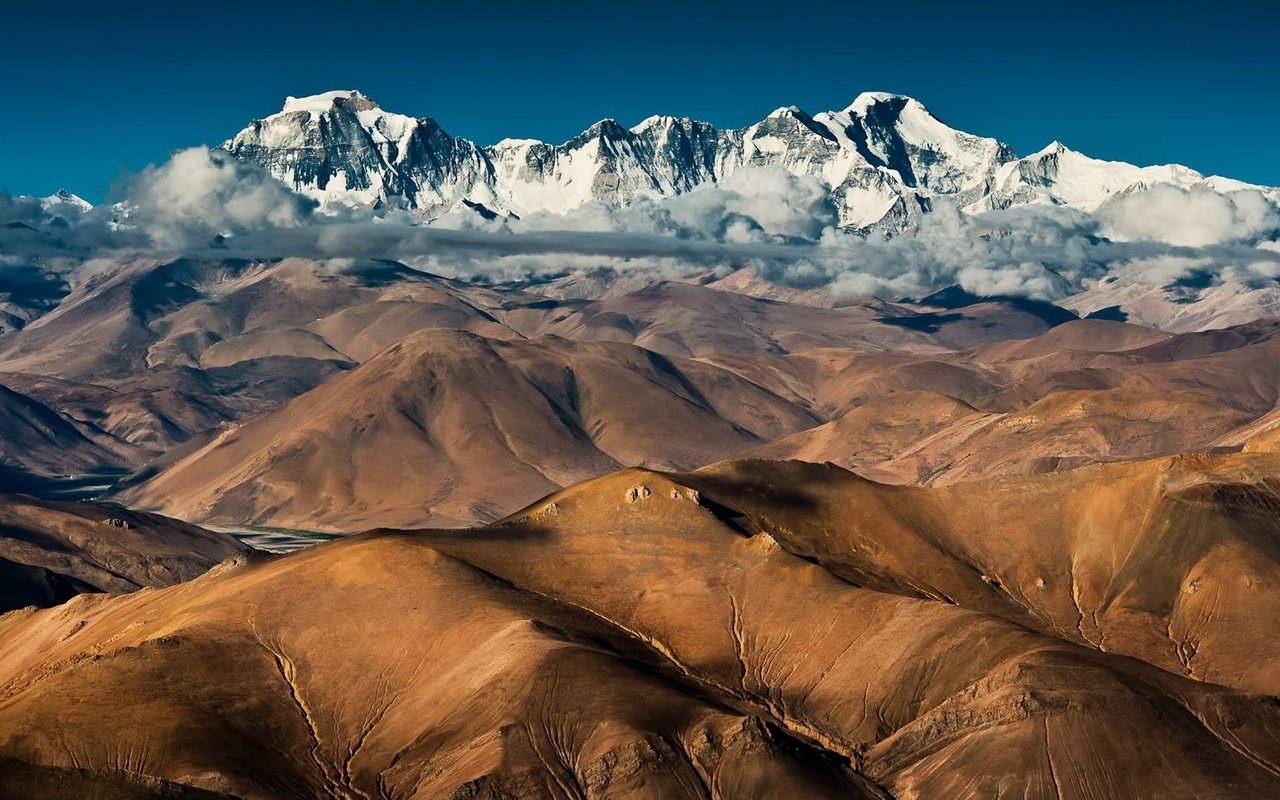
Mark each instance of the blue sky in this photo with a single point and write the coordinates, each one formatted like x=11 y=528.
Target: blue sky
x=94 y=91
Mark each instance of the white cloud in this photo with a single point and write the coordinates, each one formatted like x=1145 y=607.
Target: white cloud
x=1192 y=218
x=201 y=193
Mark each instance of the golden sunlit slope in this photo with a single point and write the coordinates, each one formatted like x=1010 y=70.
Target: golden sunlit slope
x=1175 y=561
x=382 y=668
x=750 y=630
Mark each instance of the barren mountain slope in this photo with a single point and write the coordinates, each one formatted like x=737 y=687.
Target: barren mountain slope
x=1084 y=392
x=633 y=636
x=485 y=425
x=680 y=318
x=37 y=439
x=449 y=428
x=1175 y=561
x=161 y=408
x=146 y=354
x=124 y=317
x=51 y=551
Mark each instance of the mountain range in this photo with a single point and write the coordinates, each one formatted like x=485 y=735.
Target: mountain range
x=640 y=528
x=885 y=160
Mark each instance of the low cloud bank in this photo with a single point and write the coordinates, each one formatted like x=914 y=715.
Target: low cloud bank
x=1192 y=218
x=201 y=193
x=206 y=203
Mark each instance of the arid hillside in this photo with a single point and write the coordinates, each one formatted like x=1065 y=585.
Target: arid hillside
x=51 y=551
x=482 y=426
x=754 y=629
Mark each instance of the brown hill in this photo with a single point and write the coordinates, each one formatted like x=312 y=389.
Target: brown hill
x=126 y=317
x=753 y=630
x=686 y=320
x=145 y=355
x=447 y=428
x=51 y=551
x=1085 y=392
x=1175 y=561
x=147 y=360
x=486 y=425
x=702 y=313
x=37 y=439
x=1262 y=436
x=123 y=318
x=162 y=408
x=679 y=318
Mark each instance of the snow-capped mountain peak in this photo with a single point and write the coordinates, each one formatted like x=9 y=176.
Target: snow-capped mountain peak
x=1061 y=176
x=326 y=101
x=65 y=198
x=885 y=158
x=659 y=122
x=866 y=100
x=1053 y=148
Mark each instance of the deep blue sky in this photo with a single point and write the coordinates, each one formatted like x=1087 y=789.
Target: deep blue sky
x=93 y=90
